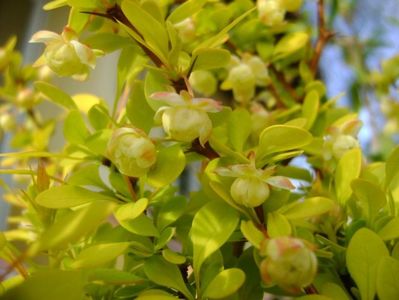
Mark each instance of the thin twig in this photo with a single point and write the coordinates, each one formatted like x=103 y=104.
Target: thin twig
x=16 y=264
x=205 y=150
x=130 y=187
x=324 y=36
x=279 y=102
x=281 y=78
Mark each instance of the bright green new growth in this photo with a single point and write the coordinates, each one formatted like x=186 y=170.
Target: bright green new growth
x=188 y=186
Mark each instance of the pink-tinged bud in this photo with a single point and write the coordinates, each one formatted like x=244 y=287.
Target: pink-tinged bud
x=185 y=124
x=249 y=191
x=132 y=152
x=289 y=263
x=64 y=55
x=26 y=98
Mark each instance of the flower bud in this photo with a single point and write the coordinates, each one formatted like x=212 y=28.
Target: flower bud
x=203 y=82
x=64 y=54
x=7 y=122
x=185 y=124
x=26 y=98
x=289 y=263
x=242 y=80
x=270 y=12
x=186 y=30
x=249 y=191
x=342 y=144
x=132 y=152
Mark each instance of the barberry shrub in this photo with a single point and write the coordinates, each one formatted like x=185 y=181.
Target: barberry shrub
x=222 y=170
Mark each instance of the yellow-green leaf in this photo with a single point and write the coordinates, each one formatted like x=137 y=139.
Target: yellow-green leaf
x=66 y=196
x=98 y=255
x=225 y=283
x=278 y=225
x=365 y=251
x=348 y=169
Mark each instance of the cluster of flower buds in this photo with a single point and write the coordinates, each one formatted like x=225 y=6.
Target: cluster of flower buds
x=244 y=75
x=252 y=186
x=272 y=12
x=132 y=152
x=185 y=118
x=64 y=54
x=289 y=263
x=342 y=137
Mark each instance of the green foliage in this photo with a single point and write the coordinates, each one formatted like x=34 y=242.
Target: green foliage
x=188 y=186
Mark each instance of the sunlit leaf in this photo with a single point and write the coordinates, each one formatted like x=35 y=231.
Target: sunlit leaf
x=56 y=95
x=166 y=274
x=73 y=226
x=348 y=169
x=98 y=255
x=212 y=226
x=307 y=208
x=169 y=165
x=364 y=253
x=69 y=196
x=225 y=283
x=387 y=279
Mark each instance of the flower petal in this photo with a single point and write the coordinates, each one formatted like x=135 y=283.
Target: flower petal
x=280 y=182
x=45 y=36
x=172 y=99
x=207 y=104
x=84 y=53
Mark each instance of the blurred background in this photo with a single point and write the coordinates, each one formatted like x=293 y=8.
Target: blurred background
x=367 y=33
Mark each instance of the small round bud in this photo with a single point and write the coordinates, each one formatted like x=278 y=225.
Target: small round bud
x=342 y=144
x=185 y=124
x=186 y=30
x=290 y=263
x=243 y=82
x=26 y=98
x=132 y=152
x=7 y=122
x=271 y=13
x=203 y=82
x=249 y=191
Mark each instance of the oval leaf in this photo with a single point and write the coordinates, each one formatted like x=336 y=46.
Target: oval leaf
x=165 y=274
x=68 y=196
x=364 y=253
x=310 y=207
x=348 y=169
x=98 y=255
x=252 y=233
x=170 y=163
x=278 y=225
x=225 y=283
x=279 y=138
x=390 y=231
x=211 y=228
x=73 y=226
x=55 y=95
x=131 y=210
x=387 y=279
